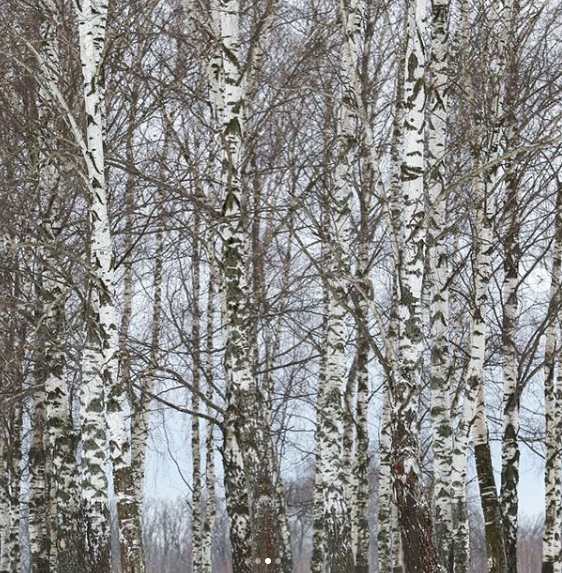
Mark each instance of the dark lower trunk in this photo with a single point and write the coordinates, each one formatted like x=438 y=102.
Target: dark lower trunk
x=420 y=552
x=495 y=543
x=510 y=501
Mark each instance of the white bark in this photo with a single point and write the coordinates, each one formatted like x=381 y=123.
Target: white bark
x=50 y=295
x=511 y=387
x=336 y=518
x=552 y=545
x=440 y=362
x=4 y=509
x=99 y=359
x=65 y=519
x=415 y=520
x=385 y=498
x=247 y=440
x=197 y=481
x=210 y=474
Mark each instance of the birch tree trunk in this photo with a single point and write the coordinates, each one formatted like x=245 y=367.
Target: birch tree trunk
x=353 y=17
x=413 y=510
x=38 y=506
x=474 y=409
x=495 y=542
x=510 y=323
x=99 y=359
x=360 y=467
x=197 y=482
x=14 y=340
x=493 y=525
x=15 y=475
x=67 y=542
x=10 y=551
x=473 y=382
x=129 y=500
x=510 y=444
x=552 y=546
x=48 y=178
x=336 y=517
x=318 y=532
x=248 y=479
x=461 y=536
x=384 y=530
x=440 y=363
x=38 y=514
x=4 y=507
x=210 y=510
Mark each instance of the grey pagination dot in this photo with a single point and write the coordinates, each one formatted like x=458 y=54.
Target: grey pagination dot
x=247 y=560
x=278 y=561
x=258 y=560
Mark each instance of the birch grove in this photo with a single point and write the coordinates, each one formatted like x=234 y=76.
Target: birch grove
x=280 y=286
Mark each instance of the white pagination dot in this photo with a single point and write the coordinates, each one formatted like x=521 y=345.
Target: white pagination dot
x=267 y=560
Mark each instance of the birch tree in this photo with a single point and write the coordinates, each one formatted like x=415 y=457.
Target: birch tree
x=510 y=295
x=246 y=439
x=336 y=518
x=552 y=546
x=440 y=365
x=99 y=359
x=414 y=516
